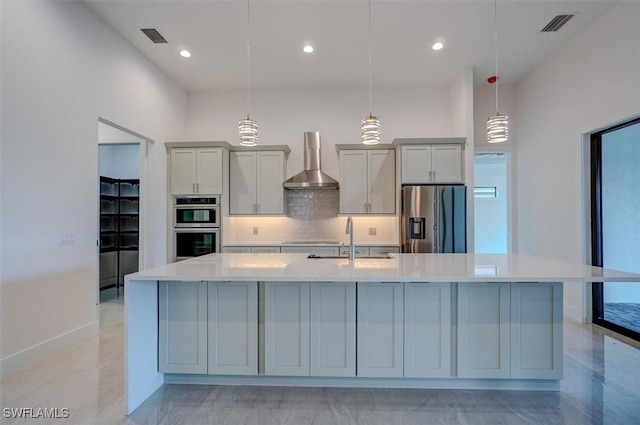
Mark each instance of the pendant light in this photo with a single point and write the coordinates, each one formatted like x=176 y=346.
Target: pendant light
x=370 y=124
x=497 y=124
x=248 y=128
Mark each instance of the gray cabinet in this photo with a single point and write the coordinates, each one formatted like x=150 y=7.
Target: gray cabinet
x=333 y=329
x=249 y=249
x=536 y=330
x=484 y=330
x=380 y=326
x=255 y=180
x=510 y=330
x=310 y=249
x=370 y=251
x=232 y=328
x=383 y=250
x=427 y=330
x=432 y=163
x=237 y=249
x=196 y=171
x=367 y=181
x=286 y=328
x=182 y=333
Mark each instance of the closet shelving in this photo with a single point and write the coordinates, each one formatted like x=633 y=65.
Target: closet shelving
x=119 y=229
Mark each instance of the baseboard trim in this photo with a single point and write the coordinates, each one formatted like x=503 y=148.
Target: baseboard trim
x=27 y=357
x=417 y=383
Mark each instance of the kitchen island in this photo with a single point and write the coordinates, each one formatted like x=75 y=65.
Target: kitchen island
x=412 y=320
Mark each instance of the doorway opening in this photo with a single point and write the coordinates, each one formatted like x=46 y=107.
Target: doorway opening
x=120 y=169
x=491 y=202
x=615 y=228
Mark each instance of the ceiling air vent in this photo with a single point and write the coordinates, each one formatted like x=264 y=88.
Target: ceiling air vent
x=556 y=23
x=154 y=35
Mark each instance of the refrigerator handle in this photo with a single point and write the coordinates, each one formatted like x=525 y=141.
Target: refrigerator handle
x=436 y=242
x=442 y=228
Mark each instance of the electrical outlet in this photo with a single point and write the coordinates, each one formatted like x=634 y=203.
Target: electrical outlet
x=67 y=238
x=373 y=231
x=255 y=230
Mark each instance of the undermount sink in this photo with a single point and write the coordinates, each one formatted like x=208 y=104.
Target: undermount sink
x=346 y=257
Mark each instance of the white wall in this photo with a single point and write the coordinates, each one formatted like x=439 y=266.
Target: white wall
x=62 y=68
x=591 y=82
x=119 y=161
x=284 y=115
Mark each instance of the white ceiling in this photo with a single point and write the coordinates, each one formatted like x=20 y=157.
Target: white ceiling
x=402 y=35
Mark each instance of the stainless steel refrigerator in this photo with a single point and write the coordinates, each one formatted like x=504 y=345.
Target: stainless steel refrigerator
x=434 y=219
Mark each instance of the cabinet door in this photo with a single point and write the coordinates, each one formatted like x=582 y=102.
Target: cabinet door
x=380 y=329
x=286 y=328
x=233 y=328
x=209 y=171
x=536 y=330
x=270 y=175
x=447 y=163
x=333 y=329
x=382 y=181
x=427 y=332
x=183 y=171
x=483 y=330
x=182 y=333
x=242 y=183
x=353 y=182
x=416 y=164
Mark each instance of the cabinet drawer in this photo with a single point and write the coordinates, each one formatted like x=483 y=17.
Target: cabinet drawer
x=383 y=250
x=361 y=251
x=317 y=250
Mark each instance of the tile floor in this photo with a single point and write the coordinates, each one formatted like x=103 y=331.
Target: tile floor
x=601 y=386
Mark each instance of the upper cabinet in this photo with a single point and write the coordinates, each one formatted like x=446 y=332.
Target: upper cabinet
x=255 y=179
x=367 y=181
x=432 y=162
x=196 y=171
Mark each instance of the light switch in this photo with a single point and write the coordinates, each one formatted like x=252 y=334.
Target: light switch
x=255 y=230
x=373 y=231
x=67 y=238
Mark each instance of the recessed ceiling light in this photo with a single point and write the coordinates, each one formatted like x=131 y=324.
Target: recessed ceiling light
x=437 y=46
x=185 y=53
x=308 y=48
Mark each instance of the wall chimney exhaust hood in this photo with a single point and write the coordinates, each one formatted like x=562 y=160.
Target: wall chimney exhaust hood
x=311 y=177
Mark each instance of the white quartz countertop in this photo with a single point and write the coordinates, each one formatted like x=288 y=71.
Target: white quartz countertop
x=400 y=268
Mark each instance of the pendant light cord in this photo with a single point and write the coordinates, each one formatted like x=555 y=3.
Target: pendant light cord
x=248 y=63
x=370 y=72
x=495 y=45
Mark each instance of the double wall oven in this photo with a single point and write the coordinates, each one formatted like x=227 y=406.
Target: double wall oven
x=196 y=226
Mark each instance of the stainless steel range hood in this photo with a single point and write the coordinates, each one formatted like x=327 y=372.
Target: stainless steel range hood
x=312 y=176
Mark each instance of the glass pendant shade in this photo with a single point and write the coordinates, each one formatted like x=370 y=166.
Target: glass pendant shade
x=248 y=132
x=497 y=128
x=370 y=130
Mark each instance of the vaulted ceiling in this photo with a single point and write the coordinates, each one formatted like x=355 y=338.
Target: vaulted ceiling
x=402 y=33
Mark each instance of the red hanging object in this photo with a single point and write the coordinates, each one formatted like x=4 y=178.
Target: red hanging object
x=492 y=79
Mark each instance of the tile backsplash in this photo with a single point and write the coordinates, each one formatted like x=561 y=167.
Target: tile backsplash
x=312 y=215
x=312 y=205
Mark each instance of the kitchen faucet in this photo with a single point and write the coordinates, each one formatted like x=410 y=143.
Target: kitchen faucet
x=349 y=231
